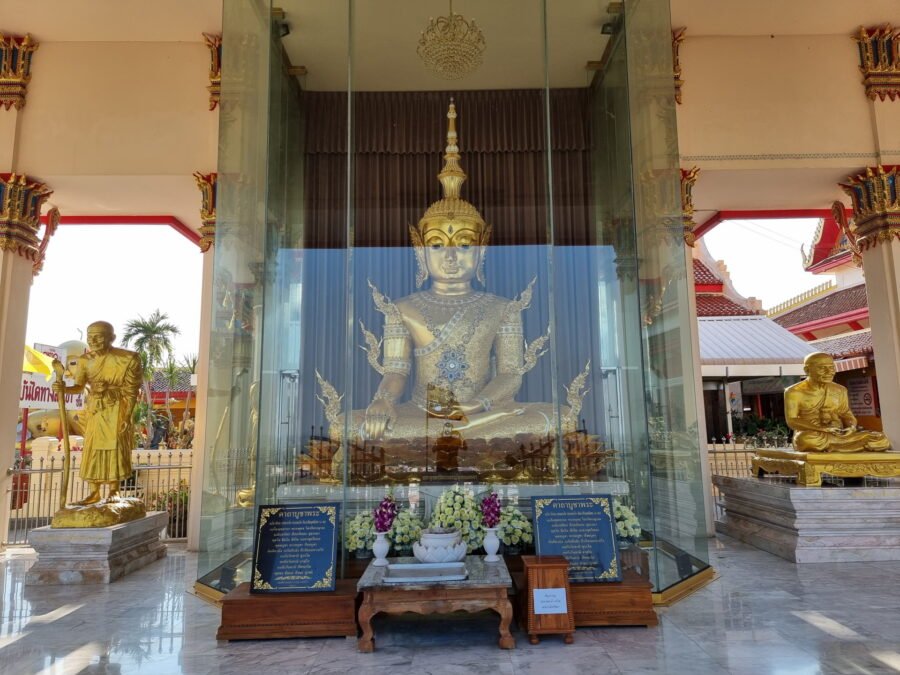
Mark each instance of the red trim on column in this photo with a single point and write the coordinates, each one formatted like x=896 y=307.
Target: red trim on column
x=761 y=214
x=171 y=221
x=759 y=412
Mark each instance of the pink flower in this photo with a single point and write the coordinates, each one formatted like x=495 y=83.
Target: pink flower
x=490 y=510
x=384 y=514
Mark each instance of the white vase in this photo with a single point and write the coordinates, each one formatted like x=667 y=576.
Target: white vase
x=380 y=548
x=491 y=544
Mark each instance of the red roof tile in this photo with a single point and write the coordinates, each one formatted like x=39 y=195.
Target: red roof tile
x=703 y=275
x=833 y=304
x=710 y=304
x=854 y=344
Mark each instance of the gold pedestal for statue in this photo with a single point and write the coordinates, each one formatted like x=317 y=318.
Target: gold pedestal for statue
x=101 y=514
x=808 y=467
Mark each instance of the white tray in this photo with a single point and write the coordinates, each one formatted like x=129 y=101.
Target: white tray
x=411 y=573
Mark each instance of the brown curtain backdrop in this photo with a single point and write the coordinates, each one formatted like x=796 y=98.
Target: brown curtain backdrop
x=398 y=143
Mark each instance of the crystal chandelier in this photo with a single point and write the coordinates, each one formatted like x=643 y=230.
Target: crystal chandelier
x=451 y=46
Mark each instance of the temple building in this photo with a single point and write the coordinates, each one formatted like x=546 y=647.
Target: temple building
x=834 y=318
x=746 y=358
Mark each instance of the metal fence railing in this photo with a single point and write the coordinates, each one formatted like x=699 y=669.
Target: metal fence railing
x=161 y=479
x=731 y=457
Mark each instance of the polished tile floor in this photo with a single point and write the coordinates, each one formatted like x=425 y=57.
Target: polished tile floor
x=762 y=616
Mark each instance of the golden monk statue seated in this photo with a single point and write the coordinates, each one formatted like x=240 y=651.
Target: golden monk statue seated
x=818 y=411
x=826 y=438
x=465 y=348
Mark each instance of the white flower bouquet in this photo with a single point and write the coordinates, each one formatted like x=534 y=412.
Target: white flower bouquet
x=456 y=508
x=628 y=527
x=515 y=528
x=405 y=531
x=359 y=534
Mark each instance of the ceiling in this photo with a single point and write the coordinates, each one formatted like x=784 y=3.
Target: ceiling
x=385 y=35
x=781 y=17
x=112 y=20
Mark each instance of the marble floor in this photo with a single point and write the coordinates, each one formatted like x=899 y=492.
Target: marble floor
x=762 y=615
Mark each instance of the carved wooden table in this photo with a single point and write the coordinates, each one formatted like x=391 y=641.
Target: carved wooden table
x=486 y=588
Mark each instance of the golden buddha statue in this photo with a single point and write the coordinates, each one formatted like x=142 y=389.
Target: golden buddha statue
x=818 y=412
x=465 y=348
x=826 y=437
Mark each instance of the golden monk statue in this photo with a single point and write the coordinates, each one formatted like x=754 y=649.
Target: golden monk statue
x=464 y=348
x=112 y=377
x=818 y=411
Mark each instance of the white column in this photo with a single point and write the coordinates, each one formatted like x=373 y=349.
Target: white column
x=200 y=426
x=705 y=473
x=15 y=289
x=882 y=267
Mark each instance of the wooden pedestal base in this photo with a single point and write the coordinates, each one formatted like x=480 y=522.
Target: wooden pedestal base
x=617 y=603
x=247 y=616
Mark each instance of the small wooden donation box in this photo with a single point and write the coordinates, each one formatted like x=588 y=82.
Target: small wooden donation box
x=547 y=605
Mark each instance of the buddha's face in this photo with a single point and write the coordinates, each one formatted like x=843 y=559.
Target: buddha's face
x=820 y=370
x=99 y=338
x=451 y=251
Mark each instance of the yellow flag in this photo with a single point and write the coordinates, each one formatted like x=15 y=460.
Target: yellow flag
x=36 y=362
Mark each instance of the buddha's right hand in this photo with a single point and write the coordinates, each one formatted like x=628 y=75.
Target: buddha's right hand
x=378 y=415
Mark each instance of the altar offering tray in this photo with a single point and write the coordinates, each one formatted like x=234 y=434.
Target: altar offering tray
x=411 y=573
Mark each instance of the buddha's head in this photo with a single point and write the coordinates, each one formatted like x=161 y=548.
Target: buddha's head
x=819 y=367
x=451 y=238
x=100 y=336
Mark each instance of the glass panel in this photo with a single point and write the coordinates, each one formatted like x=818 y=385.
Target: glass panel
x=451 y=280
x=497 y=297
x=233 y=403
x=676 y=476
x=305 y=364
x=596 y=290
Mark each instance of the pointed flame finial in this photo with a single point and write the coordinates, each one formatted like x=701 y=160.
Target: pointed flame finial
x=451 y=176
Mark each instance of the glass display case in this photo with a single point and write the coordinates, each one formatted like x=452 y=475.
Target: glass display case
x=425 y=282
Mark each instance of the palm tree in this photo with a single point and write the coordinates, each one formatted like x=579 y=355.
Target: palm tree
x=170 y=373
x=189 y=363
x=152 y=338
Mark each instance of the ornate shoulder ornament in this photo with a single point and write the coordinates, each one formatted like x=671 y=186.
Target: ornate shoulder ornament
x=384 y=305
x=521 y=303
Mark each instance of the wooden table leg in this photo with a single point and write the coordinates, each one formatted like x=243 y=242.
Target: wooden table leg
x=507 y=641
x=366 y=642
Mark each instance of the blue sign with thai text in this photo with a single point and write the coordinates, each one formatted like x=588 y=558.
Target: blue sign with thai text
x=295 y=548
x=583 y=529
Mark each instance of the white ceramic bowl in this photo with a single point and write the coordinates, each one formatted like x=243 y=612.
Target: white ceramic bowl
x=431 y=537
x=439 y=554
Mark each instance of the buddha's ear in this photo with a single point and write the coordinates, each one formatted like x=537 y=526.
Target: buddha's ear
x=419 y=251
x=479 y=271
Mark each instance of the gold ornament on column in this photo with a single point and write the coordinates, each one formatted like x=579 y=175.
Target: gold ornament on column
x=214 y=42
x=15 y=69
x=688 y=179
x=840 y=217
x=879 y=61
x=49 y=230
x=21 y=200
x=876 y=205
x=677 y=39
x=207 y=184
